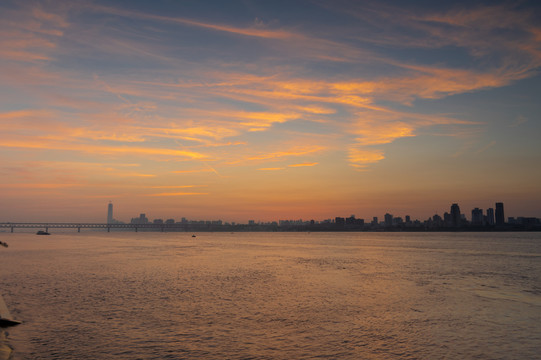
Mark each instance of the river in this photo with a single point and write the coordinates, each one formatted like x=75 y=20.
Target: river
x=145 y=295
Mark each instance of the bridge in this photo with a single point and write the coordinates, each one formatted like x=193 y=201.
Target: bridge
x=79 y=226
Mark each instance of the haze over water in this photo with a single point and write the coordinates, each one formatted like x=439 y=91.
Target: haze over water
x=130 y=295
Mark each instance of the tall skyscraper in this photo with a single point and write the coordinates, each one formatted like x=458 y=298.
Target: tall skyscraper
x=110 y=213
x=500 y=217
x=455 y=215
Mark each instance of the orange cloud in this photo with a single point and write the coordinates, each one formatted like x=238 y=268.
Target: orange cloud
x=360 y=158
x=37 y=143
x=192 y=171
x=176 y=186
x=382 y=133
x=303 y=164
x=39 y=186
x=251 y=31
x=292 y=152
x=178 y=194
x=271 y=169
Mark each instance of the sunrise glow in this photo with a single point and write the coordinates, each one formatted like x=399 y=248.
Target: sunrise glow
x=224 y=110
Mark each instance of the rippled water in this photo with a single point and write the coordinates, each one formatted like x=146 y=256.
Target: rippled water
x=140 y=295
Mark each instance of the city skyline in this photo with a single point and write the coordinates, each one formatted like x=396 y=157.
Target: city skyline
x=493 y=216
x=245 y=110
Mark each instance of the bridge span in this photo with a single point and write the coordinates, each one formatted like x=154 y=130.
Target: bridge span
x=108 y=227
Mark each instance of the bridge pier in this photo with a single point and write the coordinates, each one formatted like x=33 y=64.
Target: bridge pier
x=108 y=229
x=79 y=229
x=135 y=228
x=12 y=229
x=46 y=229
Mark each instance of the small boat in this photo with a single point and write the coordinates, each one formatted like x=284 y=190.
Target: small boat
x=41 y=232
x=193 y=235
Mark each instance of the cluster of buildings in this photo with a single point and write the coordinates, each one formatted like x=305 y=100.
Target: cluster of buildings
x=491 y=219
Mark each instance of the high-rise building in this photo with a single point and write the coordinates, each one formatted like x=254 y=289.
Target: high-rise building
x=455 y=215
x=490 y=216
x=477 y=216
x=447 y=219
x=388 y=220
x=500 y=217
x=110 y=213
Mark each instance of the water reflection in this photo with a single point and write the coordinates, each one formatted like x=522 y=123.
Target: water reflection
x=274 y=296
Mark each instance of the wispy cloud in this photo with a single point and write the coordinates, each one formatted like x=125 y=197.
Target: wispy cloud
x=303 y=164
x=271 y=169
x=256 y=30
x=192 y=171
x=298 y=151
x=176 y=186
x=361 y=158
x=178 y=194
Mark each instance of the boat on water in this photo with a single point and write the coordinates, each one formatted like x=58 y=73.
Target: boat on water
x=41 y=232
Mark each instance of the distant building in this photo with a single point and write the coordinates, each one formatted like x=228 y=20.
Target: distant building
x=110 y=213
x=447 y=219
x=388 y=220
x=490 y=216
x=500 y=217
x=437 y=220
x=455 y=215
x=477 y=216
x=350 y=220
x=375 y=221
x=142 y=219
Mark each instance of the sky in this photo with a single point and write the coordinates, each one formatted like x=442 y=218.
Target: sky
x=267 y=110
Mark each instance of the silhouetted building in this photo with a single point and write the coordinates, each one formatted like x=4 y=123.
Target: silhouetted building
x=437 y=220
x=455 y=215
x=339 y=220
x=375 y=221
x=110 y=213
x=500 y=217
x=490 y=216
x=477 y=216
x=142 y=219
x=447 y=219
x=388 y=220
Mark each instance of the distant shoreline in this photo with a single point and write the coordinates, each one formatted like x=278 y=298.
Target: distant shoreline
x=193 y=228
